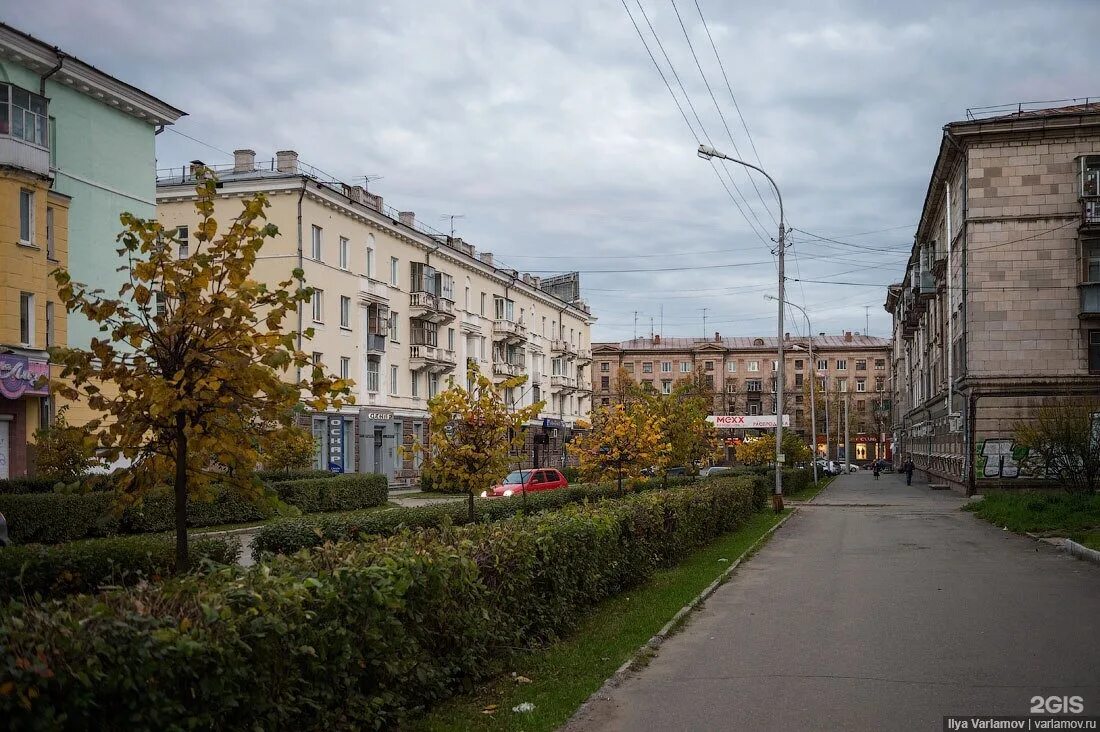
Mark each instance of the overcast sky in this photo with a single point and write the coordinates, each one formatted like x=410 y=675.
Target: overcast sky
x=546 y=125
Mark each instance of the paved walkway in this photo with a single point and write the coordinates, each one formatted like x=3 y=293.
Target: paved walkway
x=875 y=607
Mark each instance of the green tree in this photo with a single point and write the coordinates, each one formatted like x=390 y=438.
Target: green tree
x=761 y=451
x=1062 y=443
x=63 y=451
x=292 y=449
x=684 y=411
x=205 y=373
x=472 y=433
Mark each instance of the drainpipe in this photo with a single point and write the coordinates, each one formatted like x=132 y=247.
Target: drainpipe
x=968 y=442
x=301 y=195
x=60 y=62
x=950 y=306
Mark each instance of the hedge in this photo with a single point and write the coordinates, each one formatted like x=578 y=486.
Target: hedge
x=51 y=518
x=279 y=476
x=358 y=635
x=84 y=566
x=285 y=536
x=99 y=481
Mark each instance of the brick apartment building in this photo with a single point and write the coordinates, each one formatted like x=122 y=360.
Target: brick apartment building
x=999 y=309
x=850 y=368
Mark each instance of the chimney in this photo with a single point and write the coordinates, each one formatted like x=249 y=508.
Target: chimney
x=357 y=194
x=195 y=165
x=656 y=339
x=486 y=257
x=374 y=201
x=408 y=218
x=848 y=336
x=244 y=161
x=286 y=161
x=717 y=337
x=786 y=336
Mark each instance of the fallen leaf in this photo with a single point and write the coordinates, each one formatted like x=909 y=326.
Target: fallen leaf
x=522 y=680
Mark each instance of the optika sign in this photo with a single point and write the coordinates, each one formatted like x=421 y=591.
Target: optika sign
x=20 y=376
x=747 y=421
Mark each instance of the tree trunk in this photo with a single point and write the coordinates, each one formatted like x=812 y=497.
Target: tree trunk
x=181 y=497
x=470 y=503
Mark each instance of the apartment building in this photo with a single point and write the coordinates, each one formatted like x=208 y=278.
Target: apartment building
x=999 y=308
x=400 y=309
x=851 y=370
x=76 y=150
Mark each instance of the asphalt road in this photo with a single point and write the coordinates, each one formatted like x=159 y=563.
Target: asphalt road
x=876 y=607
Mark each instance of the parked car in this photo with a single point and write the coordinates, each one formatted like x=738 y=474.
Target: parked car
x=715 y=470
x=4 y=540
x=523 y=481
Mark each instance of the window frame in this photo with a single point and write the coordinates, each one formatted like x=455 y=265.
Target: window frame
x=345 y=312
x=51 y=234
x=316 y=243
x=183 y=242
x=344 y=254
x=318 y=302
x=345 y=367
x=1092 y=357
x=26 y=319
x=27 y=195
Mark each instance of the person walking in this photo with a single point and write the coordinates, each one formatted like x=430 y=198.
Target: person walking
x=907 y=468
x=876 y=468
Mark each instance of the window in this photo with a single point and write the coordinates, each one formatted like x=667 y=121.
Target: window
x=482 y=310
x=372 y=374
x=605 y=382
x=51 y=237
x=370 y=255
x=842 y=385
x=1091 y=251
x=861 y=364
x=775 y=366
x=861 y=385
x=647 y=367
x=49 y=324
x=666 y=387
x=28 y=115
x=605 y=366
x=345 y=311
x=685 y=367
x=543 y=326
x=773 y=384
x=822 y=364
x=414 y=389
x=345 y=367
x=504 y=308
x=731 y=367
x=315 y=250
x=1094 y=351
x=860 y=404
x=450 y=339
x=842 y=364
x=798 y=381
x=26 y=318
x=880 y=383
x=605 y=402
x=666 y=367
x=466 y=301
x=433 y=385
x=731 y=386
x=754 y=408
x=394 y=271
x=752 y=385
x=708 y=365
x=629 y=366
x=880 y=364
x=161 y=303
x=393 y=381
x=343 y=252
x=393 y=327
x=183 y=237
x=318 y=306
x=798 y=364
x=754 y=365
x=26 y=217
x=318 y=358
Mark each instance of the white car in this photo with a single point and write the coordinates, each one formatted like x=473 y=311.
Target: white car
x=714 y=470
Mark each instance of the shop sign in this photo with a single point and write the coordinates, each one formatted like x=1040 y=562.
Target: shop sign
x=336 y=444
x=747 y=421
x=20 y=376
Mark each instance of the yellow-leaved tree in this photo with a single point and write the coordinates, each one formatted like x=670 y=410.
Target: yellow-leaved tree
x=624 y=441
x=472 y=433
x=761 y=451
x=204 y=372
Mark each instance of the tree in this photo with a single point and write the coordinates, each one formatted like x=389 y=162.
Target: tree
x=761 y=451
x=473 y=432
x=624 y=441
x=63 y=451
x=691 y=439
x=293 y=449
x=197 y=352
x=1063 y=443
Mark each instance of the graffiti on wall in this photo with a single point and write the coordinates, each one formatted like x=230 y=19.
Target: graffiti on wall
x=1000 y=457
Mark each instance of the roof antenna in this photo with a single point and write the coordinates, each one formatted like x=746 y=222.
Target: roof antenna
x=452 y=217
x=705 y=323
x=367 y=180
x=866 y=320
x=635 y=325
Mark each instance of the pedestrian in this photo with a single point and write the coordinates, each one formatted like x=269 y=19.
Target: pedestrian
x=907 y=468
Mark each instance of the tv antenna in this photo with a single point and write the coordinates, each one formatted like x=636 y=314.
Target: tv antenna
x=452 y=217
x=367 y=181
x=705 y=323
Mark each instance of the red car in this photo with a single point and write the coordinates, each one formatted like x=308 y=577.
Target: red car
x=518 y=481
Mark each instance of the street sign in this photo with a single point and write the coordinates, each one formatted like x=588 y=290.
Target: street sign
x=549 y=423
x=747 y=421
x=782 y=458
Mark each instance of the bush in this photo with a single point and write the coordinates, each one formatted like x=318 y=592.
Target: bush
x=279 y=476
x=571 y=474
x=27 y=485
x=350 y=636
x=84 y=566
x=286 y=536
x=51 y=518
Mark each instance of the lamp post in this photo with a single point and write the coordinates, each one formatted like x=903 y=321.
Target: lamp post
x=706 y=152
x=813 y=378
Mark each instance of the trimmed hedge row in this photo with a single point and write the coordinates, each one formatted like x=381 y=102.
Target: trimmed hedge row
x=349 y=636
x=286 y=536
x=279 y=476
x=51 y=518
x=97 y=481
x=84 y=566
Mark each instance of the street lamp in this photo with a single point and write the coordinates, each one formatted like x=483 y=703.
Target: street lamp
x=813 y=378
x=706 y=152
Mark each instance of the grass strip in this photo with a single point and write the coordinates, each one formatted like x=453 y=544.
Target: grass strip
x=1034 y=511
x=563 y=675
x=811 y=490
x=1091 y=539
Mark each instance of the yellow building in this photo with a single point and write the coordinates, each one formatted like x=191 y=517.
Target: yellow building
x=33 y=242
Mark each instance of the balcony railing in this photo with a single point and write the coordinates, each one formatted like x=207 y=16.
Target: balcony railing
x=584 y=385
x=584 y=354
x=1090 y=299
x=1090 y=212
x=372 y=290
x=509 y=330
x=432 y=358
x=431 y=307
x=375 y=344
x=564 y=347
x=505 y=369
x=563 y=383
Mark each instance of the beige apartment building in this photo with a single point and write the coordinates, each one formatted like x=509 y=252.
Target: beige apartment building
x=400 y=309
x=999 y=308
x=851 y=370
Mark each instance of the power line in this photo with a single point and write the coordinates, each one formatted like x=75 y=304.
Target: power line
x=195 y=139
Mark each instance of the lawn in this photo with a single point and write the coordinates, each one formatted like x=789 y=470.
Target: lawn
x=563 y=675
x=1039 y=512
x=811 y=490
x=1091 y=539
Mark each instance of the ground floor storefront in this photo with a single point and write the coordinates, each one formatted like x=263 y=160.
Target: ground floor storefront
x=24 y=407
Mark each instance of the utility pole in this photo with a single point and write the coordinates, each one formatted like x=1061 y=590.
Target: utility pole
x=704 y=324
x=825 y=390
x=847 y=439
x=866 y=320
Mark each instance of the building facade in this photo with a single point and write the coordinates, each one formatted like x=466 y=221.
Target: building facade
x=999 y=308
x=401 y=309
x=851 y=372
x=76 y=149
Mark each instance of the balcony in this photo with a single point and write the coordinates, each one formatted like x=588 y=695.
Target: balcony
x=434 y=309
x=431 y=358
x=373 y=291
x=1090 y=299
x=509 y=331
x=563 y=347
x=563 y=383
x=584 y=385
x=24 y=138
x=924 y=284
x=375 y=344
x=1090 y=213
x=506 y=370
x=584 y=355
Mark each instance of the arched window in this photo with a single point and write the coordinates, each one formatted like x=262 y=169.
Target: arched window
x=370 y=255
x=758 y=342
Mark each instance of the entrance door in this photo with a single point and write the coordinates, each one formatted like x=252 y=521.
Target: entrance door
x=5 y=449
x=379 y=467
x=861 y=451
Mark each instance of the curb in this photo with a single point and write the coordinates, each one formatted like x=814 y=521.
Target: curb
x=1081 y=552
x=655 y=642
